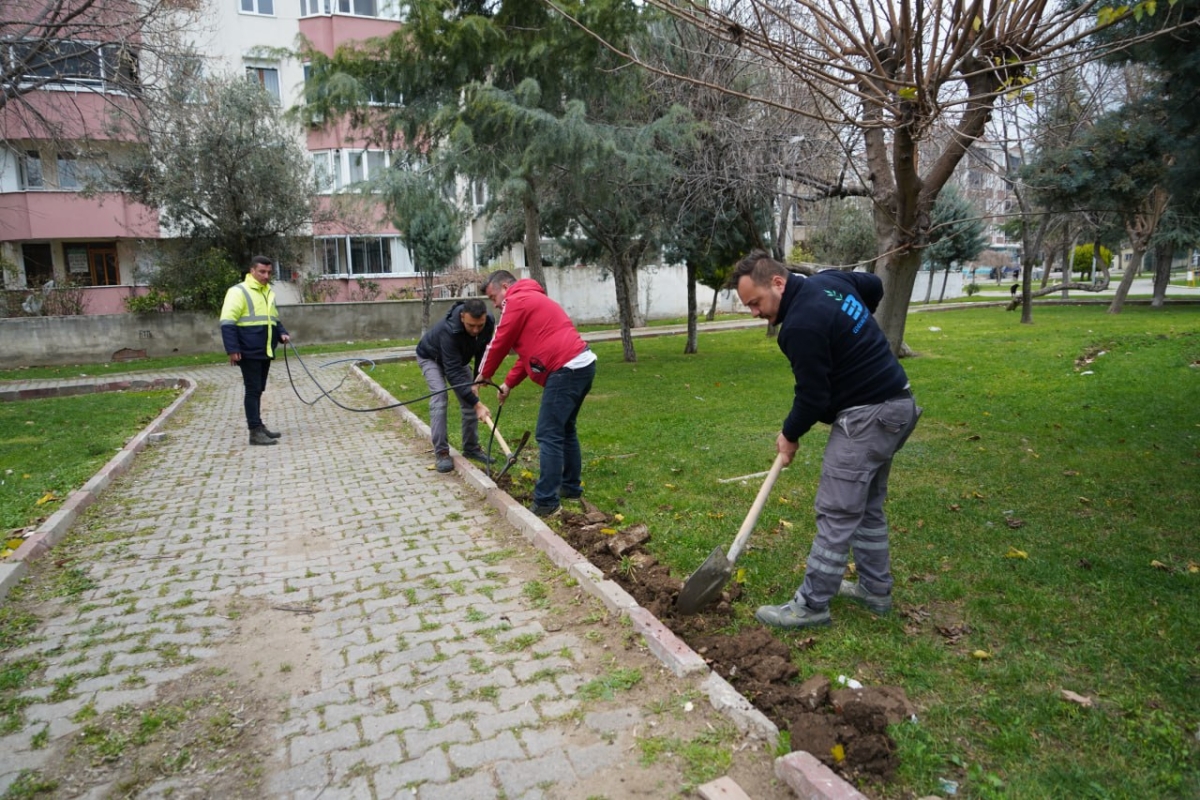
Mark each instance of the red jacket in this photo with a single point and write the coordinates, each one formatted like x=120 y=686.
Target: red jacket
x=538 y=329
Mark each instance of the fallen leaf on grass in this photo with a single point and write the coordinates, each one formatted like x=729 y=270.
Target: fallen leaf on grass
x=955 y=507
x=46 y=498
x=953 y=633
x=838 y=752
x=1087 y=501
x=13 y=544
x=1193 y=567
x=784 y=523
x=1078 y=699
x=609 y=531
x=1070 y=473
x=975 y=437
x=981 y=655
x=1014 y=522
x=1015 y=553
x=1160 y=565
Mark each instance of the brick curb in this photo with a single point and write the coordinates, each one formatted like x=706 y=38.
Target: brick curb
x=52 y=531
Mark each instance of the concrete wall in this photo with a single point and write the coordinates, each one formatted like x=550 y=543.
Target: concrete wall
x=586 y=293
x=36 y=341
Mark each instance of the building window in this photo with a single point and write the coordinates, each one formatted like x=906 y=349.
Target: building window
x=310 y=8
x=267 y=78
x=39 y=264
x=31 y=170
x=93 y=264
x=369 y=256
x=68 y=172
x=323 y=172
x=74 y=63
x=362 y=255
x=264 y=7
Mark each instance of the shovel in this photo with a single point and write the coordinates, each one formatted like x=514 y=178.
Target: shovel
x=706 y=583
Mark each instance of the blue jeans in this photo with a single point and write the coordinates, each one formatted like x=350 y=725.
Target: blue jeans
x=254 y=378
x=558 y=443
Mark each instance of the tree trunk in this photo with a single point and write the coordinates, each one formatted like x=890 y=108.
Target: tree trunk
x=898 y=279
x=1135 y=263
x=689 y=347
x=929 y=283
x=1164 y=255
x=625 y=282
x=533 y=238
x=712 y=309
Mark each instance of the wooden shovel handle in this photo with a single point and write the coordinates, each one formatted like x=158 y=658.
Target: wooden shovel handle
x=499 y=439
x=760 y=500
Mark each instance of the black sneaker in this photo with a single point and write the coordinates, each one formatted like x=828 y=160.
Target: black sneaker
x=570 y=494
x=545 y=512
x=445 y=463
x=477 y=454
x=271 y=433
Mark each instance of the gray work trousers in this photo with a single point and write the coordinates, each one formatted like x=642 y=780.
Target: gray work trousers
x=850 y=498
x=437 y=411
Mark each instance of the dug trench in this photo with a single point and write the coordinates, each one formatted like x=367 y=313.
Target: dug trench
x=846 y=728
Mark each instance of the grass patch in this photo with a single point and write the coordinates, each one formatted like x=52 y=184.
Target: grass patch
x=607 y=685
x=50 y=447
x=1075 y=440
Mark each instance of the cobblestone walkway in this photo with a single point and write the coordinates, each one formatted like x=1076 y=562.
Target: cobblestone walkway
x=401 y=640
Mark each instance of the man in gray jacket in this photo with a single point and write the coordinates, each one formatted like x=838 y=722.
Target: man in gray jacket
x=444 y=355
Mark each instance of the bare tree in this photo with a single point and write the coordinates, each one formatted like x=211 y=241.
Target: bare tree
x=888 y=70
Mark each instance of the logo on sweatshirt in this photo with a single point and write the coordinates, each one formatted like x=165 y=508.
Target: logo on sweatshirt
x=851 y=307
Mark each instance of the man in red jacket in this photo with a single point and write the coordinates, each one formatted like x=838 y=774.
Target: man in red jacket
x=552 y=353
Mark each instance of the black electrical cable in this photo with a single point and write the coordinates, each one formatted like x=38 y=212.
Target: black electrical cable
x=328 y=392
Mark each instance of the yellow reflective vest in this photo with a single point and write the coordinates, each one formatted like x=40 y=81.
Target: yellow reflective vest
x=250 y=321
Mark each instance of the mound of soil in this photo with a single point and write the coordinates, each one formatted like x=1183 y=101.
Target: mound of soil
x=845 y=728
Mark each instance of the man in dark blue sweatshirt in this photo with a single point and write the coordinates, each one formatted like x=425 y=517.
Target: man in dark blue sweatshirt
x=847 y=377
x=444 y=355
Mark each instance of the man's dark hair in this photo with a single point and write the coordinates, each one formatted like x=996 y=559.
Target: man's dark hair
x=760 y=267
x=262 y=260
x=500 y=278
x=474 y=307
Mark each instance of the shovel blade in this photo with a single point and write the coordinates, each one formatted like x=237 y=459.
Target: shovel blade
x=705 y=584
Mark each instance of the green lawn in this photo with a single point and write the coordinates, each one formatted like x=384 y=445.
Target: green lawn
x=1044 y=514
x=49 y=448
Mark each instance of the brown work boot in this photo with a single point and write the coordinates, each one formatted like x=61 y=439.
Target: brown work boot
x=260 y=436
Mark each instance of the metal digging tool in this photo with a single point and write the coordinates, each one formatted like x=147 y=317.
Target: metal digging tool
x=510 y=455
x=706 y=583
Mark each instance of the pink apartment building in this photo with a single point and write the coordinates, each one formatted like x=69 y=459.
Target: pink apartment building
x=55 y=134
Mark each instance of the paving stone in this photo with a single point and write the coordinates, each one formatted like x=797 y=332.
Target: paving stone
x=504 y=747
x=381 y=753
x=431 y=766
x=517 y=717
x=479 y=786
x=306 y=746
x=418 y=742
x=517 y=778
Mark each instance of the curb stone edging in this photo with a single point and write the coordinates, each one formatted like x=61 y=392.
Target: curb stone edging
x=56 y=526
x=806 y=776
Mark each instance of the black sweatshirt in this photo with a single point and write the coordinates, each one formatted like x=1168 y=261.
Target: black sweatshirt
x=453 y=348
x=838 y=353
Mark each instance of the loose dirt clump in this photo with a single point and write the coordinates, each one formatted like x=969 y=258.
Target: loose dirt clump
x=845 y=728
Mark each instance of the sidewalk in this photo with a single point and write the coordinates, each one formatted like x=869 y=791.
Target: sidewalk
x=331 y=618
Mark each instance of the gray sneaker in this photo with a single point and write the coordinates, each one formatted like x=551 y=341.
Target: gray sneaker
x=260 y=436
x=878 y=604
x=445 y=463
x=792 y=615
